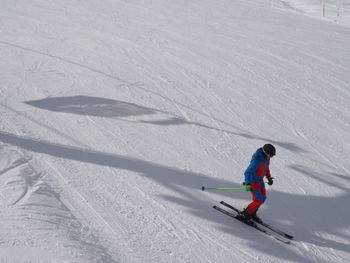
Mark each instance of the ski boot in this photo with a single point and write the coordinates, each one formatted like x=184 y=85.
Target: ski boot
x=255 y=218
x=244 y=215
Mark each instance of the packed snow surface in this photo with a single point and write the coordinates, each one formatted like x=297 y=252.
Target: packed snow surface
x=114 y=114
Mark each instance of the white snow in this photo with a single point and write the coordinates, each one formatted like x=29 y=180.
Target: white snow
x=115 y=113
x=333 y=10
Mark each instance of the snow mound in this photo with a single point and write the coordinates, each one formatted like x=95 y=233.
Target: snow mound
x=31 y=210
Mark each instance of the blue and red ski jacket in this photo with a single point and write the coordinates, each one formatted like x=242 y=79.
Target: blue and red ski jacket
x=258 y=168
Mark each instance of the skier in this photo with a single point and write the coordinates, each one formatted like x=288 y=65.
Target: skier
x=254 y=181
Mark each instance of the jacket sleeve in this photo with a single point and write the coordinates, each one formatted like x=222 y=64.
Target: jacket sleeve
x=268 y=174
x=261 y=170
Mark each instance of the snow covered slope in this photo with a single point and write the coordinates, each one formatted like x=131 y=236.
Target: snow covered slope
x=114 y=113
x=337 y=11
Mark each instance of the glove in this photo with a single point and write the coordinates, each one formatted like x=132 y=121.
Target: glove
x=248 y=187
x=270 y=181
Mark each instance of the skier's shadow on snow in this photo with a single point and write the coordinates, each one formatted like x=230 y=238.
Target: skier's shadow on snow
x=288 y=211
x=109 y=108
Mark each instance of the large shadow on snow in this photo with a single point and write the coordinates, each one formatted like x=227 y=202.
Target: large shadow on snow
x=139 y=86
x=109 y=108
x=93 y=106
x=173 y=178
x=305 y=215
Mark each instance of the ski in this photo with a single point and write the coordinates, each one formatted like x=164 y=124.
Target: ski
x=272 y=228
x=252 y=224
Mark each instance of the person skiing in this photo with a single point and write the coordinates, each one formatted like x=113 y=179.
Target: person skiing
x=254 y=181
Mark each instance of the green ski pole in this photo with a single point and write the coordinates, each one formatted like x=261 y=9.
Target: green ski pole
x=222 y=188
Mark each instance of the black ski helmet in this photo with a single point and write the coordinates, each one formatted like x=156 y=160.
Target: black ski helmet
x=269 y=149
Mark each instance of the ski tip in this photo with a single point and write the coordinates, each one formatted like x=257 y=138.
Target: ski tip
x=288 y=236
